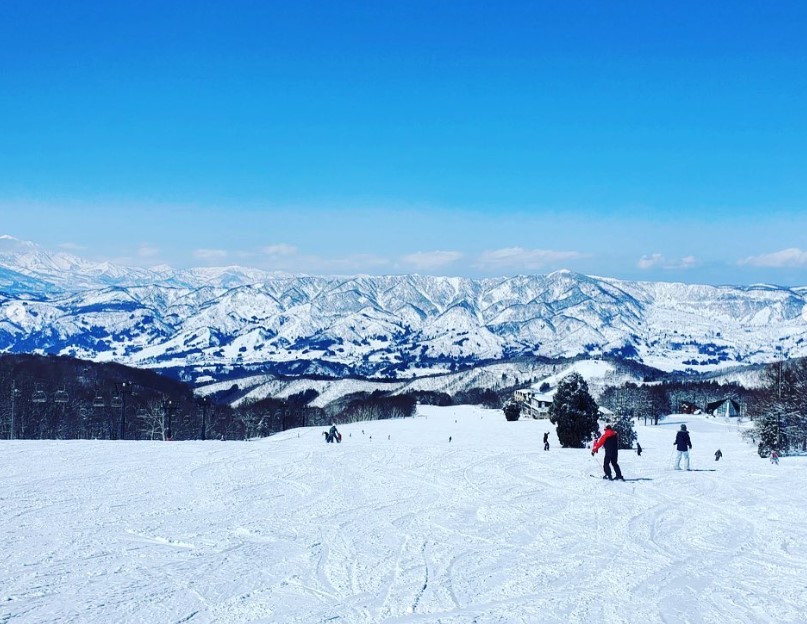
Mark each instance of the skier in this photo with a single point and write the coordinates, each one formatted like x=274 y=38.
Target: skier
x=546 y=441
x=718 y=454
x=638 y=449
x=610 y=440
x=334 y=434
x=775 y=457
x=682 y=444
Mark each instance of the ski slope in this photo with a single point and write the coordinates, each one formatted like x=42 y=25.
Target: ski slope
x=397 y=524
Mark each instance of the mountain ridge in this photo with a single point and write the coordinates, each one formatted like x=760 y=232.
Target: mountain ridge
x=388 y=327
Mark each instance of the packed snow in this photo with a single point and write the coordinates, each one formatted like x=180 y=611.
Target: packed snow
x=399 y=524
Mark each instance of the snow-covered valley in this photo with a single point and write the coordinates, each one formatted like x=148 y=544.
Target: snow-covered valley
x=399 y=524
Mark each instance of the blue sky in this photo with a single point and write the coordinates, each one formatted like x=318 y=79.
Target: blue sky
x=640 y=140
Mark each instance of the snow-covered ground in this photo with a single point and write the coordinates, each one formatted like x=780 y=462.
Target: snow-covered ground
x=397 y=524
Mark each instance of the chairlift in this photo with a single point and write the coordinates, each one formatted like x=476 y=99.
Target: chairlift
x=39 y=396
x=60 y=396
x=142 y=412
x=98 y=401
x=117 y=401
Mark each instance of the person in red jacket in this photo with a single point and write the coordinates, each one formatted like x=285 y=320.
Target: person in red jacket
x=610 y=441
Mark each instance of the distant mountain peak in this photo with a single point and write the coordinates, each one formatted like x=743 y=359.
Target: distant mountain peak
x=12 y=244
x=382 y=326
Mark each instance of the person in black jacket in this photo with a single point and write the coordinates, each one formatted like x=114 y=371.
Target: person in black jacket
x=682 y=444
x=546 y=441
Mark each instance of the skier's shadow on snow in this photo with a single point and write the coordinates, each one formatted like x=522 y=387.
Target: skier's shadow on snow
x=703 y=470
x=626 y=480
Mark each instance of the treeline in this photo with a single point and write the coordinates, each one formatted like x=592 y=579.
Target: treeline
x=50 y=397
x=780 y=409
x=654 y=401
x=65 y=398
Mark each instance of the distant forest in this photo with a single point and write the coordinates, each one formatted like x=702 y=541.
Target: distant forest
x=54 y=397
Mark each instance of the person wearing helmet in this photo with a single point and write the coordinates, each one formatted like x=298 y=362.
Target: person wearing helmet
x=610 y=441
x=682 y=444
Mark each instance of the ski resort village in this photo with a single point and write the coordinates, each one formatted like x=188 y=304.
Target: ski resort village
x=403 y=312
x=448 y=487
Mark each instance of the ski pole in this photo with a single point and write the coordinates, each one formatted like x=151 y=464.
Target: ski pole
x=595 y=460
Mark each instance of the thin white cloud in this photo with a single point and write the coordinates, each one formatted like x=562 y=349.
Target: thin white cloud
x=209 y=254
x=359 y=263
x=658 y=261
x=428 y=260
x=71 y=246
x=786 y=258
x=280 y=249
x=147 y=251
x=651 y=261
x=526 y=259
x=284 y=257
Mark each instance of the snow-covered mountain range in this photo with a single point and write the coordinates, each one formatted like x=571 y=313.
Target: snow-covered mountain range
x=394 y=327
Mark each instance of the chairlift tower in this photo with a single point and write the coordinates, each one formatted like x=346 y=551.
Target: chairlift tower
x=14 y=393
x=204 y=401
x=168 y=409
x=119 y=400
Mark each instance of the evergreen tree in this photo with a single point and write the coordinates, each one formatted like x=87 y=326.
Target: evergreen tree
x=623 y=426
x=512 y=411
x=768 y=430
x=780 y=421
x=574 y=412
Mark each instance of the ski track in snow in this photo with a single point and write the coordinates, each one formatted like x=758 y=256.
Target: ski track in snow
x=488 y=528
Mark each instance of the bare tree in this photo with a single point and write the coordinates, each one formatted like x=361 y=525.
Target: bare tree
x=153 y=421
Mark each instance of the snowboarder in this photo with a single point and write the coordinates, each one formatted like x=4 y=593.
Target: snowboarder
x=775 y=457
x=334 y=433
x=718 y=454
x=449 y=438
x=546 y=441
x=638 y=449
x=609 y=440
x=682 y=444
